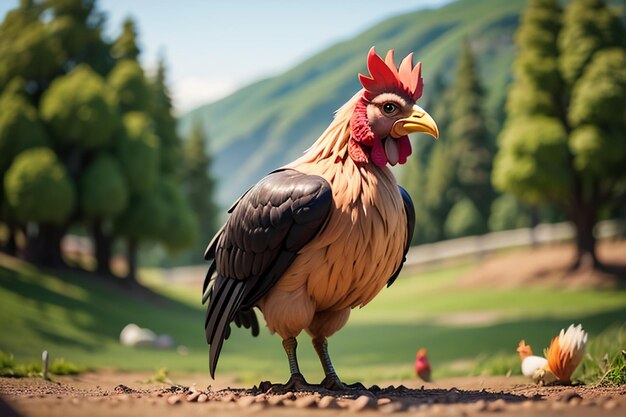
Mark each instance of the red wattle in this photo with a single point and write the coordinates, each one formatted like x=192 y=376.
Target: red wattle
x=378 y=153
x=404 y=149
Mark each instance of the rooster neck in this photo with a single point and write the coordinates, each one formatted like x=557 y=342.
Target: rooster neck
x=328 y=157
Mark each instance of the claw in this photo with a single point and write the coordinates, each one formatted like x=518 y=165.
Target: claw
x=296 y=383
x=333 y=383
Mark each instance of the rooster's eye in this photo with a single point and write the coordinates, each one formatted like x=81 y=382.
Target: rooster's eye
x=389 y=108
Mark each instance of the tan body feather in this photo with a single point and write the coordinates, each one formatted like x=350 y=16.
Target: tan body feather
x=356 y=252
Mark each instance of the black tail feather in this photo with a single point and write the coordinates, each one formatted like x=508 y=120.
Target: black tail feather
x=225 y=302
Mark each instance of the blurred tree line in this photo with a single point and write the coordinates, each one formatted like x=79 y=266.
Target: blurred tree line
x=89 y=142
x=558 y=152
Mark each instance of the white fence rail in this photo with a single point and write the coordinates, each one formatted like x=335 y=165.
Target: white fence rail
x=480 y=245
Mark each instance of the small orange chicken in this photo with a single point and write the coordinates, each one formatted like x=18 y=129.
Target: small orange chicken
x=422 y=365
x=561 y=358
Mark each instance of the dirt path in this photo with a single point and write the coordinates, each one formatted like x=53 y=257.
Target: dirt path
x=128 y=394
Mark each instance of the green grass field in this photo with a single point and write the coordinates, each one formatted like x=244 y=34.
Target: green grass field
x=79 y=318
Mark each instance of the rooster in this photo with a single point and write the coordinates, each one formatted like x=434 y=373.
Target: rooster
x=561 y=358
x=325 y=233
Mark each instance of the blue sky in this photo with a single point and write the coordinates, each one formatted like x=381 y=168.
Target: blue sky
x=215 y=47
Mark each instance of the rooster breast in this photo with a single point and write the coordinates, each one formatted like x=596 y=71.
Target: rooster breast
x=362 y=244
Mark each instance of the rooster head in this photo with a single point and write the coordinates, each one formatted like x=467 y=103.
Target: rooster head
x=524 y=350
x=386 y=112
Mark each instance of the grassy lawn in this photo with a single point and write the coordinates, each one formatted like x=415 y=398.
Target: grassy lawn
x=80 y=318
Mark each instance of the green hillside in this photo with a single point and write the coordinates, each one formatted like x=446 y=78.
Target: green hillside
x=269 y=123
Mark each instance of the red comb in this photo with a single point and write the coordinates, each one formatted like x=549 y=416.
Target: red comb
x=384 y=76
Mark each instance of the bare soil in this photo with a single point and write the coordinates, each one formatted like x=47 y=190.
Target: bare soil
x=550 y=265
x=109 y=393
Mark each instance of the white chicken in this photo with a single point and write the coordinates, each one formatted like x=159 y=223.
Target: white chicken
x=561 y=358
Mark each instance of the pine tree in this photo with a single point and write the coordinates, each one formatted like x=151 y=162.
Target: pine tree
x=472 y=149
x=421 y=175
x=164 y=122
x=200 y=187
x=125 y=47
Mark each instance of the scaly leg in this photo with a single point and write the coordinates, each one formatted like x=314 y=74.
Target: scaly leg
x=331 y=381
x=296 y=381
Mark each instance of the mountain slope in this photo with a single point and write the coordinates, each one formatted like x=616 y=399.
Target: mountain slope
x=271 y=122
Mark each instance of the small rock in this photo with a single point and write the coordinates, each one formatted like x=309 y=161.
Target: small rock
x=123 y=389
x=173 y=399
x=328 y=401
x=383 y=401
x=202 y=398
x=557 y=406
x=392 y=407
x=275 y=400
x=305 y=402
x=260 y=398
x=228 y=398
x=193 y=396
x=569 y=395
x=480 y=405
x=362 y=403
x=575 y=402
x=75 y=401
x=610 y=405
x=245 y=402
x=497 y=405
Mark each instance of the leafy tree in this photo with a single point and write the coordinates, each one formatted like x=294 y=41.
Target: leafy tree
x=129 y=86
x=20 y=127
x=38 y=189
x=78 y=26
x=561 y=142
x=27 y=47
x=80 y=110
x=508 y=213
x=138 y=151
x=588 y=26
x=160 y=215
x=103 y=196
x=463 y=219
x=104 y=193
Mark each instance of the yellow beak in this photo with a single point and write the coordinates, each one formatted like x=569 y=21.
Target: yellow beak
x=418 y=121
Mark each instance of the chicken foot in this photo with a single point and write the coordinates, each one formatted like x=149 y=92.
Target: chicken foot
x=331 y=381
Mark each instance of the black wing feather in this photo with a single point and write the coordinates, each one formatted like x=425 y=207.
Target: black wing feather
x=267 y=228
x=409 y=209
